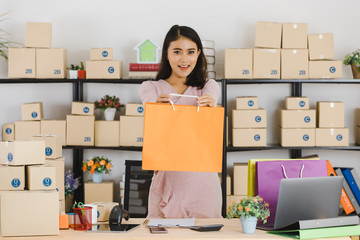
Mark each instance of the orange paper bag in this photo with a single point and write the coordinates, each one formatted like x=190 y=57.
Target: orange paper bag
x=182 y=138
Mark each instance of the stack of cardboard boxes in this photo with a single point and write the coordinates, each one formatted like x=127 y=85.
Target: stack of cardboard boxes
x=297 y=123
x=102 y=66
x=240 y=176
x=249 y=123
x=31 y=114
x=209 y=52
x=132 y=125
x=38 y=59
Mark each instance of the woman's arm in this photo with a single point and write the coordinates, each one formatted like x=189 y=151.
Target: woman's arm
x=210 y=94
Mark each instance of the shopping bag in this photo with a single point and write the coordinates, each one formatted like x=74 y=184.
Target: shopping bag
x=182 y=138
x=268 y=175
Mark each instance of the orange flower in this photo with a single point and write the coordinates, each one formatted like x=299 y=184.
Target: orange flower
x=97 y=165
x=108 y=166
x=261 y=199
x=90 y=163
x=92 y=170
x=233 y=202
x=255 y=199
x=267 y=204
x=247 y=209
x=84 y=168
x=103 y=162
x=240 y=208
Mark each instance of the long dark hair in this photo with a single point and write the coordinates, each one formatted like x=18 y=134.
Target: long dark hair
x=197 y=78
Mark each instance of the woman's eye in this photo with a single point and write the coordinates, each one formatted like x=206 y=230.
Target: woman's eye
x=177 y=52
x=191 y=52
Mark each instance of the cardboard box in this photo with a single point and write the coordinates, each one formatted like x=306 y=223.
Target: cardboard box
x=266 y=63
x=297 y=137
x=8 y=132
x=51 y=63
x=40 y=177
x=331 y=114
x=32 y=111
x=321 y=46
x=82 y=108
x=249 y=118
x=294 y=35
x=54 y=127
x=59 y=165
x=357 y=135
x=104 y=69
x=21 y=63
x=131 y=130
x=99 y=192
x=104 y=209
x=134 y=109
x=294 y=64
x=80 y=130
x=240 y=178
x=332 y=137
x=325 y=69
x=38 y=34
x=22 y=152
x=228 y=185
x=107 y=133
x=230 y=200
x=37 y=213
x=238 y=63
x=247 y=103
x=101 y=54
x=296 y=103
x=298 y=118
x=268 y=35
x=12 y=178
x=53 y=147
x=24 y=130
x=249 y=137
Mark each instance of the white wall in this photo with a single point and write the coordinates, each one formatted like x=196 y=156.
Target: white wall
x=79 y=25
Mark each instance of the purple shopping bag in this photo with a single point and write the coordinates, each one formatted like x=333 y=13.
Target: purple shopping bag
x=268 y=176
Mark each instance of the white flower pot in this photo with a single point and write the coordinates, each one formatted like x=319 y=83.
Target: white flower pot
x=110 y=114
x=73 y=74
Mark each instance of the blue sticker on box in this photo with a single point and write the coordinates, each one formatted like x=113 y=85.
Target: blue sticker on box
x=98 y=214
x=251 y=103
x=47 y=182
x=307 y=119
x=332 y=69
x=257 y=119
x=105 y=53
x=339 y=137
x=48 y=151
x=10 y=157
x=140 y=109
x=302 y=103
x=34 y=114
x=86 y=109
x=257 y=137
x=111 y=69
x=8 y=131
x=306 y=137
x=15 y=183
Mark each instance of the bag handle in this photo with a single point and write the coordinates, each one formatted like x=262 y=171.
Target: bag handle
x=181 y=95
x=284 y=172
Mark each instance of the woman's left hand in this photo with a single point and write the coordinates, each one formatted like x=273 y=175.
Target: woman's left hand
x=206 y=100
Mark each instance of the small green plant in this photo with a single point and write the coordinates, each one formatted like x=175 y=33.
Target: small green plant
x=249 y=207
x=108 y=102
x=353 y=57
x=4 y=42
x=73 y=67
x=82 y=67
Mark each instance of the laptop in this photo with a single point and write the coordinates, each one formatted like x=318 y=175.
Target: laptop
x=309 y=203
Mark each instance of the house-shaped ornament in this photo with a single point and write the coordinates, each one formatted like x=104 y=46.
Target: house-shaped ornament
x=148 y=52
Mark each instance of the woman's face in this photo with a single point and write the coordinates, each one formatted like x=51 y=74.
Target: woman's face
x=182 y=55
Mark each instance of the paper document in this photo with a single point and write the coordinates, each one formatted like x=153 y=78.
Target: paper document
x=180 y=222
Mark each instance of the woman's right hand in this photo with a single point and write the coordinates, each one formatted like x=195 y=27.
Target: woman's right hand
x=163 y=98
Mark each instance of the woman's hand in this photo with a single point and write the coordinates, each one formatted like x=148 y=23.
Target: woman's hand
x=163 y=98
x=206 y=100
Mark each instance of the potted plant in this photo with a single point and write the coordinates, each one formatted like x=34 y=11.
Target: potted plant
x=249 y=210
x=109 y=105
x=96 y=166
x=353 y=59
x=81 y=71
x=73 y=71
x=71 y=184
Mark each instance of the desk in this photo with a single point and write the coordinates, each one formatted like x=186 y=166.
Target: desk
x=231 y=230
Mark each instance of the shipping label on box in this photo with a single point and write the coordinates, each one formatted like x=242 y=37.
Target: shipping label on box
x=107 y=133
x=54 y=127
x=104 y=69
x=297 y=137
x=331 y=114
x=21 y=63
x=321 y=46
x=332 y=137
x=53 y=147
x=240 y=178
x=298 y=118
x=37 y=213
x=248 y=137
x=59 y=165
x=266 y=63
x=24 y=130
x=32 y=111
x=101 y=54
x=249 y=118
x=296 y=103
x=22 y=152
x=82 y=108
x=325 y=69
x=134 y=109
x=238 y=63
x=268 y=35
x=247 y=103
x=104 y=209
x=38 y=34
x=80 y=130
x=51 y=63
x=8 y=132
x=40 y=177
x=99 y=192
x=294 y=35
x=131 y=130
x=294 y=64
x=12 y=178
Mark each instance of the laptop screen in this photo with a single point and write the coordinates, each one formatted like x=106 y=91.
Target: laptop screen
x=307 y=198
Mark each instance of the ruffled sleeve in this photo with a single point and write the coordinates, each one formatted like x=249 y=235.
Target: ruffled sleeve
x=148 y=92
x=212 y=88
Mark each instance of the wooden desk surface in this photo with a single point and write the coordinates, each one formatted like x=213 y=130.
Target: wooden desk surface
x=231 y=230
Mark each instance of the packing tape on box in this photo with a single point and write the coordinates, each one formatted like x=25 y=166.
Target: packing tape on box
x=332 y=131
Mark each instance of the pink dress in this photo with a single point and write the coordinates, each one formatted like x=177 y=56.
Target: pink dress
x=183 y=194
